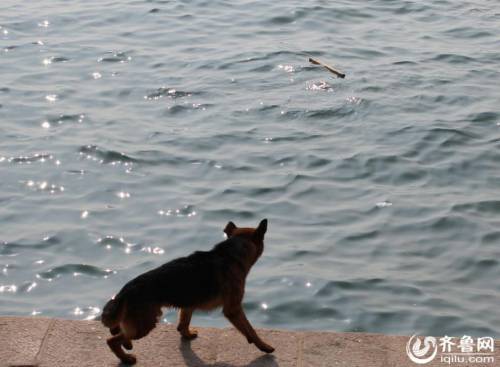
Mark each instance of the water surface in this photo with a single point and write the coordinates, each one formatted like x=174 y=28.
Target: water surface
x=132 y=131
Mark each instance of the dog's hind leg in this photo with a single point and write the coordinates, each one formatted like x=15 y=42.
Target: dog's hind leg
x=184 y=321
x=236 y=316
x=138 y=322
x=115 y=344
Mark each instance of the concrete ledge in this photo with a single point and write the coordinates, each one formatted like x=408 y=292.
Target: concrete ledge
x=26 y=341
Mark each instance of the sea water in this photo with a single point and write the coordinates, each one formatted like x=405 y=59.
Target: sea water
x=132 y=131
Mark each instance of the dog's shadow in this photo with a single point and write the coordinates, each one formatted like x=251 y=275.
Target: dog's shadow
x=192 y=360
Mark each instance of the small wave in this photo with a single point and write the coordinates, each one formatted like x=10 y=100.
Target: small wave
x=184 y=108
x=484 y=117
x=439 y=137
x=411 y=8
x=115 y=57
x=296 y=137
x=312 y=161
x=326 y=113
x=449 y=223
x=491 y=238
x=405 y=62
x=167 y=92
x=37 y=157
x=359 y=285
x=384 y=168
x=382 y=163
x=54 y=59
x=304 y=310
x=468 y=32
x=372 y=89
x=228 y=213
x=351 y=14
x=263 y=68
x=111 y=242
x=488 y=207
x=364 y=285
x=375 y=319
x=351 y=168
x=474 y=269
x=300 y=254
x=362 y=236
x=106 y=156
x=265 y=108
x=75 y=270
x=246 y=58
x=60 y=59
x=61 y=119
x=281 y=19
x=453 y=59
x=12 y=248
x=483 y=264
x=365 y=53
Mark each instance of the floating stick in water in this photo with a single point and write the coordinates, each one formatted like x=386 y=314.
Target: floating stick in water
x=329 y=68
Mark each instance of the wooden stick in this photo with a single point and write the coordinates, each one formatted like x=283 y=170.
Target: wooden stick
x=329 y=68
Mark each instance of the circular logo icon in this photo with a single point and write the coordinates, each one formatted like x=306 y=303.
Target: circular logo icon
x=421 y=354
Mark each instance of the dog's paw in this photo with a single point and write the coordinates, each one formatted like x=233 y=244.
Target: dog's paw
x=265 y=348
x=129 y=359
x=127 y=345
x=190 y=334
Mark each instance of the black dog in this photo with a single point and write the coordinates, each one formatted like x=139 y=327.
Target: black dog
x=203 y=280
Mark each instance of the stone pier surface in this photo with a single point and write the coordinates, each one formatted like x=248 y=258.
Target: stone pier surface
x=37 y=341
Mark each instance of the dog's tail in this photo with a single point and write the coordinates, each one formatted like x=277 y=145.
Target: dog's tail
x=111 y=313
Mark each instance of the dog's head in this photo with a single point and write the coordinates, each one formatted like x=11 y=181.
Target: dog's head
x=254 y=234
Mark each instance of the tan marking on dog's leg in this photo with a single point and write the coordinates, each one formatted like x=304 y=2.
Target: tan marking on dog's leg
x=115 y=344
x=184 y=321
x=237 y=317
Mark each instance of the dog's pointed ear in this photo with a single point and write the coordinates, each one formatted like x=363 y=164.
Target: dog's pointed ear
x=261 y=230
x=230 y=227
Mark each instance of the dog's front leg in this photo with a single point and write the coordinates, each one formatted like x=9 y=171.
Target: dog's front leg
x=183 y=326
x=236 y=316
x=126 y=343
x=115 y=344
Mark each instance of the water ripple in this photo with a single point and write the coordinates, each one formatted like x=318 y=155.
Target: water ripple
x=37 y=157
x=168 y=92
x=74 y=270
x=105 y=156
x=115 y=57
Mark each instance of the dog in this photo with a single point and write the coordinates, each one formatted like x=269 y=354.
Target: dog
x=203 y=280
